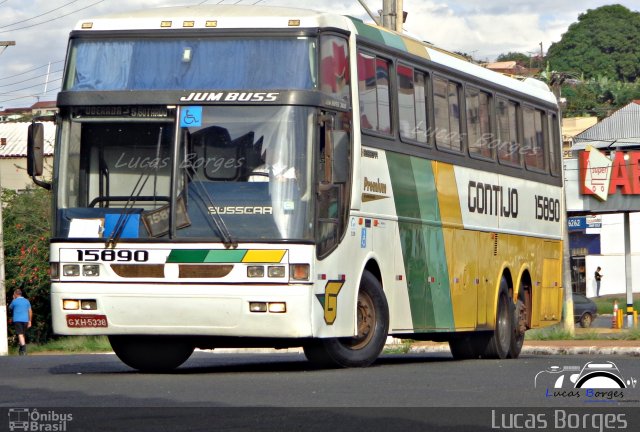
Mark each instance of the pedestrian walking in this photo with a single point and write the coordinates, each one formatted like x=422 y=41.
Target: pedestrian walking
x=22 y=316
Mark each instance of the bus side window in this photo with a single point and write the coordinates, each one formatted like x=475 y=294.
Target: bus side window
x=534 y=154
x=446 y=95
x=508 y=148
x=373 y=86
x=412 y=104
x=479 y=122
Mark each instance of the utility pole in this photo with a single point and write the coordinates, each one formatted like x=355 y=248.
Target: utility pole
x=4 y=342
x=569 y=324
x=392 y=15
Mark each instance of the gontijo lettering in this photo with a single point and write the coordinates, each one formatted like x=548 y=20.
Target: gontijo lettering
x=494 y=200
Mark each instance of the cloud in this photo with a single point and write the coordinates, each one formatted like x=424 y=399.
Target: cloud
x=483 y=29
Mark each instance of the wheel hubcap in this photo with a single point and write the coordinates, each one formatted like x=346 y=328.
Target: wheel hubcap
x=366 y=321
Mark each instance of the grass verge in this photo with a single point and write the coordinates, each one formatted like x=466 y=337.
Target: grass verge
x=605 y=304
x=70 y=344
x=558 y=332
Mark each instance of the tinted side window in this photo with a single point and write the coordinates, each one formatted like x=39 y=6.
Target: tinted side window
x=373 y=86
x=534 y=155
x=446 y=96
x=412 y=104
x=508 y=149
x=479 y=122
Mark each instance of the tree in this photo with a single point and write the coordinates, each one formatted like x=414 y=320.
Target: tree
x=598 y=96
x=605 y=42
x=520 y=58
x=27 y=221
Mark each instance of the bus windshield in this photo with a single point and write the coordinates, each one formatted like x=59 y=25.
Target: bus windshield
x=191 y=64
x=244 y=173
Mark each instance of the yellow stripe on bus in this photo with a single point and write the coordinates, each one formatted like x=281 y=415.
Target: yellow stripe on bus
x=448 y=198
x=264 y=256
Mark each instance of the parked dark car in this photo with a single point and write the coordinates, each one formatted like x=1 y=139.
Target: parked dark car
x=584 y=310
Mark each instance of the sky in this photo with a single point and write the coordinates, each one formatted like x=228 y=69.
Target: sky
x=31 y=70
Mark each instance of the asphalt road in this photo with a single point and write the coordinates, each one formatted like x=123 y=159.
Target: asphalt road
x=283 y=392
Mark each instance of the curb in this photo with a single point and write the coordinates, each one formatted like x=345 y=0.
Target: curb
x=542 y=350
x=444 y=348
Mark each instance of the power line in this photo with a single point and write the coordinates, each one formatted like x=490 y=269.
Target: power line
x=38 y=16
x=29 y=96
x=30 y=70
x=35 y=85
x=52 y=19
x=29 y=79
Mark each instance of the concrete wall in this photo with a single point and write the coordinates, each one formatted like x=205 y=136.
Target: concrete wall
x=612 y=257
x=13 y=173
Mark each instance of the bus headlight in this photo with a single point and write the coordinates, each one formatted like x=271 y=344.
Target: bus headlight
x=91 y=270
x=278 y=307
x=68 y=304
x=276 y=271
x=71 y=270
x=255 y=271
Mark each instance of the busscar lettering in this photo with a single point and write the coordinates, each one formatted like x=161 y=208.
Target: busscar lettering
x=230 y=97
x=241 y=210
x=492 y=200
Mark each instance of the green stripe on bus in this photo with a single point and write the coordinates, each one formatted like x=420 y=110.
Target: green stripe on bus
x=422 y=242
x=225 y=256
x=206 y=256
x=187 y=256
x=378 y=35
x=368 y=31
x=393 y=40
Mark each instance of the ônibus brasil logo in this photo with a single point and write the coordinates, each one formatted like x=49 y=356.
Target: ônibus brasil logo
x=26 y=419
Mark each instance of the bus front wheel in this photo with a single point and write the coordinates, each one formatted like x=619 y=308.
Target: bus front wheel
x=151 y=353
x=373 y=325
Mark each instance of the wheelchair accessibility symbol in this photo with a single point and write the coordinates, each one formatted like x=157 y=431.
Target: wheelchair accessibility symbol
x=191 y=116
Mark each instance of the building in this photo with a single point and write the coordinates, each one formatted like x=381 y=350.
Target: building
x=44 y=108
x=13 y=154
x=38 y=109
x=571 y=127
x=508 y=68
x=603 y=203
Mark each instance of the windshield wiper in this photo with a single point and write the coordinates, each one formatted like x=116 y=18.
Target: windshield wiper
x=121 y=223
x=218 y=220
x=118 y=229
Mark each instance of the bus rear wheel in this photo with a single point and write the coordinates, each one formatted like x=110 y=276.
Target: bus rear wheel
x=151 y=353
x=373 y=325
x=468 y=346
x=500 y=343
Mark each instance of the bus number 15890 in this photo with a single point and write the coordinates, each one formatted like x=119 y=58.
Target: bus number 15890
x=110 y=255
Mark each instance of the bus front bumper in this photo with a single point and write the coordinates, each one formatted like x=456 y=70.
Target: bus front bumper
x=274 y=311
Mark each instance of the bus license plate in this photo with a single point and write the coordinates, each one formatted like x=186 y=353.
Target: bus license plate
x=84 y=321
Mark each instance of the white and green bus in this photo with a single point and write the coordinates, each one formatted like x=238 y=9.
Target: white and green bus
x=230 y=176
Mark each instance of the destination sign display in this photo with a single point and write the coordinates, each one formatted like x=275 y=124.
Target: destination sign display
x=122 y=111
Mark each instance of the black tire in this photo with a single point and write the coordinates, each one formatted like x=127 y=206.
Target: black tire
x=500 y=342
x=586 y=320
x=151 y=353
x=468 y=346
x=373 y=326
x=517 y=336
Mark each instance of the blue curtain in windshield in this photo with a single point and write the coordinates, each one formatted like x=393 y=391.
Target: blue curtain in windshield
x=193 y=64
